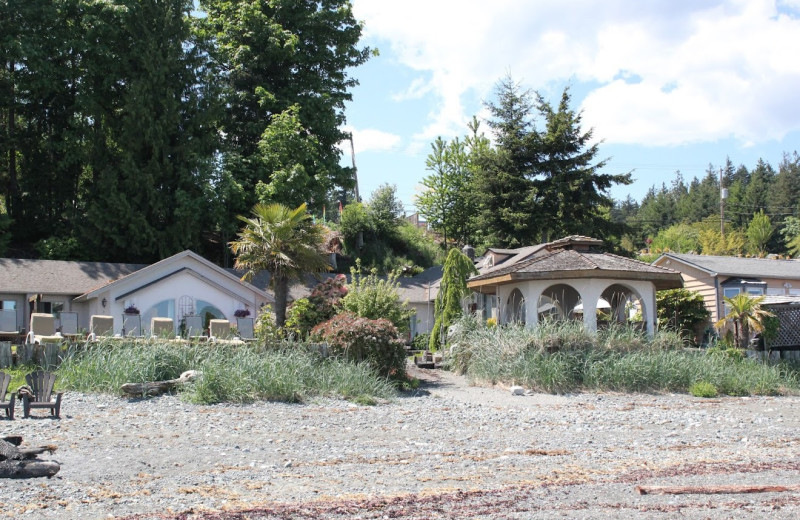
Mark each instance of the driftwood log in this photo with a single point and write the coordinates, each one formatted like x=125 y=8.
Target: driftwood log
x=154 y=388
x=16 y=462
x=712 y=490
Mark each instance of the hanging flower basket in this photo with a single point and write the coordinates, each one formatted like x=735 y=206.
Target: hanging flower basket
x=131 y=310
x=241 y=313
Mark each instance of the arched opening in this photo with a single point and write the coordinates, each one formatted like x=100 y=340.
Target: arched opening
x=208 y=312
x=559 y=302
x=624 y=307
x=515 y=307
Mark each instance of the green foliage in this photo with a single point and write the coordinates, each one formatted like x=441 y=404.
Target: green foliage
x=421 y=341
x=360 y=339
x=321 y=305
x=681 y=310
x=355 y=224
x=759 y=231
x=563 y=357
x=284 y=242
x=228 y=373
x=746 y=315
x=680 y=238
x=385 y=209
x=452 y=290
x=264 y=327
x=373 y=297
x=703 y=389
x=57 y=248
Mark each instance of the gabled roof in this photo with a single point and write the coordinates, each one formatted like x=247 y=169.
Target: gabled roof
x=175 y=259
x=735 y=266
x=570 y=263
x=59 y=276
x=422 y=288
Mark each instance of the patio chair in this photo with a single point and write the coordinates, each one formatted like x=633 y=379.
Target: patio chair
x=132 y=325
x=69 y=323
x=100 y=326
x=219 y=329
x=161 y=327
x=194 y=327
x=245 y=327
x=41 y=385
x=8 y=323
x=43 y=329
x=5 y=380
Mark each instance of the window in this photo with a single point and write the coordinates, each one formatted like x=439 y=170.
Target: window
x=8 y=304
x=730 y=292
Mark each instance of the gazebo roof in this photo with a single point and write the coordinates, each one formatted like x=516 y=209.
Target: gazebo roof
x=561 y=260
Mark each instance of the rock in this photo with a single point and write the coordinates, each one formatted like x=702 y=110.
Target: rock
x=517 y=390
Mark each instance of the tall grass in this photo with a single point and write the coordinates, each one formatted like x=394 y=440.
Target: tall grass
x=560 y=357
x=229 y=373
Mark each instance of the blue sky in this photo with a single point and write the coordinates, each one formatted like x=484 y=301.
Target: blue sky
x=667 y=85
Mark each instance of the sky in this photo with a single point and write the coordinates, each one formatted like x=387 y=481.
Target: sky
x=666 y=86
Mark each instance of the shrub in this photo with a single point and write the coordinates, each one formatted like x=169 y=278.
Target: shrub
x=265 y=328
x=362 y=339
x=703 y=389
x=376 y=298
x=421 y=341
x=306 y=313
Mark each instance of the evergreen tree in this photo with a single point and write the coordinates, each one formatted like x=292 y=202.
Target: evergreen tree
x=452 y=290
x=573 y=191
x=151 y=146
x=503 y=186
x=274 y=56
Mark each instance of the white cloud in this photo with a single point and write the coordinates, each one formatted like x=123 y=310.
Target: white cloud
x=661 y=72
x=370 y=139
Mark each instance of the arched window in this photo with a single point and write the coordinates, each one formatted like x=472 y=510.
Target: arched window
x=515 y=307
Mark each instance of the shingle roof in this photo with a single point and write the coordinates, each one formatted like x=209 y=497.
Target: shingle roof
x=421 y=288
x=58 y=276
x=742 y=267
x=565 y=262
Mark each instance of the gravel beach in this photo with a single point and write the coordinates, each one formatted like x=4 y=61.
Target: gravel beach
x=448 y=450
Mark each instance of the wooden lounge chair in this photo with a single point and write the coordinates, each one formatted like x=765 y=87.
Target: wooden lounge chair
x=132 y=325
x=5 y=380
x=43 y=329
x=219 y=329
x=69 y=323
x=41 y=384
x=162 y=327
x=100 y=326
x=194 y=327
x=245 y=328
x=9 y=328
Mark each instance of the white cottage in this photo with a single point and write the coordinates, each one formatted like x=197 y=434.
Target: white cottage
x=180 y=285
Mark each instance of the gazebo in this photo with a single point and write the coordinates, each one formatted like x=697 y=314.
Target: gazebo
x=572 y=278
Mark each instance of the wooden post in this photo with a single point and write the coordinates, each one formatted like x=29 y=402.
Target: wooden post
x=49 y=355
x=25 y=353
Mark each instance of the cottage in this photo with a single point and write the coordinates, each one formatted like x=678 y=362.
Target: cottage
x=183 y=284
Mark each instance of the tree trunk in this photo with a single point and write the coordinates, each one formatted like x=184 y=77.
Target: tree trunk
x=154 y=388
x=281 y=293
x=712 y=490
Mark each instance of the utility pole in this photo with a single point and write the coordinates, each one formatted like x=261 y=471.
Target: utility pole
x=355 y=171
x=723 y=194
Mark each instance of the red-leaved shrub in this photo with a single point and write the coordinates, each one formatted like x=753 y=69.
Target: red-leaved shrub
x=362 y=339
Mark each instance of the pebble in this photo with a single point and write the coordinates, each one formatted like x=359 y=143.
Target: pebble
x=124 y=456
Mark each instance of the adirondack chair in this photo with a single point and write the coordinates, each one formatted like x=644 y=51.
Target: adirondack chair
x=194 y=327
x=5 y=380
x=245 y=327
x=219 y=329
x=162 y=327
x=100 y=326
x=41 y=384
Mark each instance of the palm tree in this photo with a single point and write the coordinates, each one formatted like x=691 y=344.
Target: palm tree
x=746 y=314
x=284 y=242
